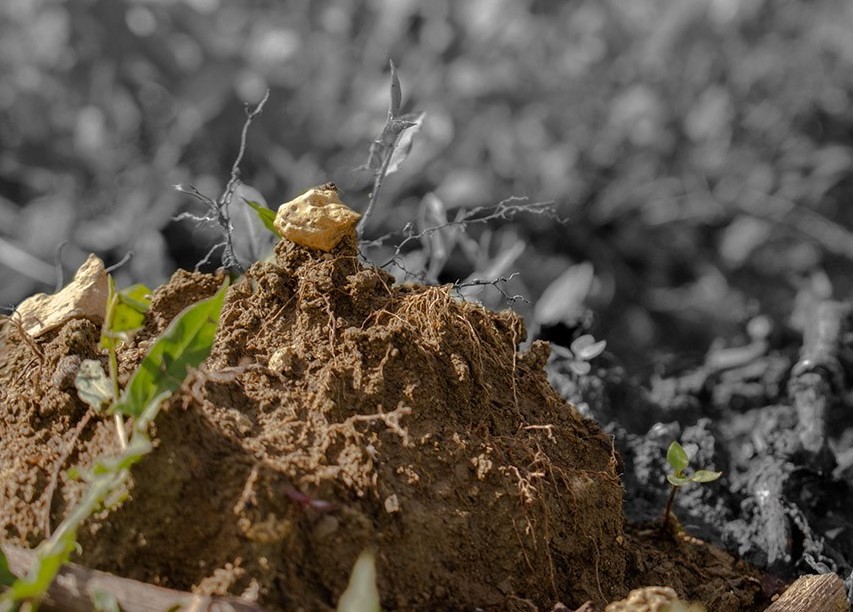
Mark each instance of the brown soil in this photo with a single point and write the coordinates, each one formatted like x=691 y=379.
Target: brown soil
x=338 y=413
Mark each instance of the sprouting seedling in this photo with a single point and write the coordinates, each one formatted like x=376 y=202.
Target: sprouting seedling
x=184 y=344
x=125 y=315
x=585 y=349
x=677 y=458
x=581 y=351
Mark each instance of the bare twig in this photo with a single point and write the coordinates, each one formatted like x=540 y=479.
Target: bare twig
x=495 y=282
x=218 y=211
x=57 y=264
x=382 y=149
x=504 y=210
x=74 y=590
x=127 y=257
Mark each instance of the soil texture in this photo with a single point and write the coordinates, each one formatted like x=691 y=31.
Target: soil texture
x=338 y=413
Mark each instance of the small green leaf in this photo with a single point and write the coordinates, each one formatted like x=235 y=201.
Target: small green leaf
x=104 y=601
x=705 y=476
x=7 y=578
x=677 y=457
x=185 y=343
x=125 y=313
x=41 y=575
x=93 y=384
x=361 y=595
x=678 y=481
x=266 y=215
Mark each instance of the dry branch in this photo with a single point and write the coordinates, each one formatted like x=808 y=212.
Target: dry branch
x=75 y=586
x=816 y=593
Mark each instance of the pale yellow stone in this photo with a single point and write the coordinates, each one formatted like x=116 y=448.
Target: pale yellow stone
x=317 y=219
x=282 y=359
x=84 y=297
x=653 y=599
x=392 y=504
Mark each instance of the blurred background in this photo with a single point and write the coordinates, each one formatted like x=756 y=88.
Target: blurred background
x=700 y=149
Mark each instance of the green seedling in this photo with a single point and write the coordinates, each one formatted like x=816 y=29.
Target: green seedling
x=677 y=458
x=266 y=215
x=7 y=578
x=185 y=343
x=125 y=315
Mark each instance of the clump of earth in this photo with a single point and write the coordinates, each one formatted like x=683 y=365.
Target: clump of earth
x=339 y=413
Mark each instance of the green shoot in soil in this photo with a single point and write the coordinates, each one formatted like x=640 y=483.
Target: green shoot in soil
x=266 y=215
x=677 y=458
x=125 y=314
x=185 y=343
x=7 y=578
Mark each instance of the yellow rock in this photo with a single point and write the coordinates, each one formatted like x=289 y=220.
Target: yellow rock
x=653 y=599
x=83 y=297
x=317 y=219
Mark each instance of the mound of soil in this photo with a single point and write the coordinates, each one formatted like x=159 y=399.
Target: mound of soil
x=336 y=413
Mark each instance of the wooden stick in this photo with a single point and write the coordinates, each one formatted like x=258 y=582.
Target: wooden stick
x=815 y=593
x=73 y=590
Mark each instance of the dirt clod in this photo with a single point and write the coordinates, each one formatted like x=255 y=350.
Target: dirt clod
x=337 y=413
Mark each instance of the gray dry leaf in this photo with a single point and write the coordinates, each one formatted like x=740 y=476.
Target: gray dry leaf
x=563 y=300
x=93 y=384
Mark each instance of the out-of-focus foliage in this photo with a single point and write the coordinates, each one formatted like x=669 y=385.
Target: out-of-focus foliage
x=700 y=148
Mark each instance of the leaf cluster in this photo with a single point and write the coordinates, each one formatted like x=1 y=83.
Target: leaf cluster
x=677 y=458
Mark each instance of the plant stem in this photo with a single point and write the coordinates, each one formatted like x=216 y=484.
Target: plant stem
x=120 y=430
x=377 y=187
x=668 y=512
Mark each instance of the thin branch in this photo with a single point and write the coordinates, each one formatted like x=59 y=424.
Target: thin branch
x=496 y=282
x=74 y=590
x=383 y=148
x=57 y=264
x=127 y=257
x=218 y=211
x=504 y=210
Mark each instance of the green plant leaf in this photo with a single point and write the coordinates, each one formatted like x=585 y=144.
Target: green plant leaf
x=7 y=578
x=361 y=595
x=41 y=575
x=266 y=215
x=677 y=457
x=678 y=481
x=93 y=385
x=705 y=476
x=185 y=343
x=125 y=313
x=104 y=601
